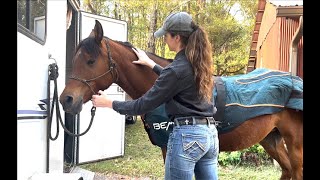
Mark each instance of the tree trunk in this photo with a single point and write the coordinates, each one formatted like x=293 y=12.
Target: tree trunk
x=91 y=8
x=151 y=47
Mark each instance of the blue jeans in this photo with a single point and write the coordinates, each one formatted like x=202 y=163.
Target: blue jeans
x=192 y=149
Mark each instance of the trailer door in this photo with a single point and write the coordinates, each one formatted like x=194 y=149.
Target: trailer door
x=105 y=139
x=40 y=33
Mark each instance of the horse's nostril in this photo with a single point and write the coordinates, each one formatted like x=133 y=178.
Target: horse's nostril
x=68 y=101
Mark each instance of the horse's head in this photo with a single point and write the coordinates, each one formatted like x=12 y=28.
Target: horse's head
x=92 y=70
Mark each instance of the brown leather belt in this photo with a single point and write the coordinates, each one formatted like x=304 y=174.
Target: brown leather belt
x=194 y=120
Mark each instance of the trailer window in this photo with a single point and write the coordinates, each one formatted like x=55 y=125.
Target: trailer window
x=31 y=16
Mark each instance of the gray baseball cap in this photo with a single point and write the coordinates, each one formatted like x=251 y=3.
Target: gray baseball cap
x=179 y=22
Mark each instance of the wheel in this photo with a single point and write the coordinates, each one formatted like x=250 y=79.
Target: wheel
x=131 y=119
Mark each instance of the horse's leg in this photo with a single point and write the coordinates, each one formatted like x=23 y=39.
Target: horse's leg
x=291 y=128
x=273 y=143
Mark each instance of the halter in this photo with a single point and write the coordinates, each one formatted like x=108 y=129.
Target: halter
x=112 y=66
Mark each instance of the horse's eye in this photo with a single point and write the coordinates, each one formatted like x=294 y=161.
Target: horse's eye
x=90 y=62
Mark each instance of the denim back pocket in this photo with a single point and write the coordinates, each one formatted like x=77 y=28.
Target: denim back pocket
x=194 y=146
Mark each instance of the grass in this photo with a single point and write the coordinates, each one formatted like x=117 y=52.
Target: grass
x=142 y=159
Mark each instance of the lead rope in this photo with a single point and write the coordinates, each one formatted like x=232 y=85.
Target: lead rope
x=53 y=75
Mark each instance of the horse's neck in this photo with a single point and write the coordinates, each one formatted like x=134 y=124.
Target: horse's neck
x=161 y=61
x=134 y=79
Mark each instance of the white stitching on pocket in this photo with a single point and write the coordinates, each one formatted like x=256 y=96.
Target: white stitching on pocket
x=192 y=145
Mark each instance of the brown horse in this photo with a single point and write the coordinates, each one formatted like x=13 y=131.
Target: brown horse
x=99 y=61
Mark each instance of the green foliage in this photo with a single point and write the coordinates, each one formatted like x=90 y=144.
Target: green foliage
x=229 y=36
x=229 y=158
x=253 y=155
x=256 y=154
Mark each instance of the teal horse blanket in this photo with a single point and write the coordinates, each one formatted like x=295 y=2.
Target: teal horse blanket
x=262 y=91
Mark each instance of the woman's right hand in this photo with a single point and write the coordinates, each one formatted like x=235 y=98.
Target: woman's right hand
x=143 y=59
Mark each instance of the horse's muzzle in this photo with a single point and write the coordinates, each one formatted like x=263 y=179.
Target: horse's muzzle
x=70 y=105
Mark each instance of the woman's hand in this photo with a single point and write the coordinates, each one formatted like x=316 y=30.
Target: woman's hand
x=143 y=59
x=101 y=100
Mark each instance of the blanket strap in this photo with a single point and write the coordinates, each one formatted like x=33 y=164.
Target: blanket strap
x=221 y=99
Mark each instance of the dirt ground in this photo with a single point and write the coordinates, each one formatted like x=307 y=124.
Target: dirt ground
x=99 y=176
x=89 y=175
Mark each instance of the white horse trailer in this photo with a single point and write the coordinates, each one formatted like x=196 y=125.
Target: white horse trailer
x=43 y=40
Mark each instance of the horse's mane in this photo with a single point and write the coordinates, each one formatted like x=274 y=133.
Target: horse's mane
x=91 y=46
x=169 y=60
x=128 y=44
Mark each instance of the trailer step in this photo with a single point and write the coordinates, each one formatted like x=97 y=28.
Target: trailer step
x=86 y=174
x=55 y=176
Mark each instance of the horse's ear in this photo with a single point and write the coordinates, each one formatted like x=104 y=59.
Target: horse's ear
x=97 y=32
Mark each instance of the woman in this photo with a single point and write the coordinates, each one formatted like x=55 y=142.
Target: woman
x=185 y=86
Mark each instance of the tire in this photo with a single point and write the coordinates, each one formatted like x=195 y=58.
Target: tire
x=131 y=119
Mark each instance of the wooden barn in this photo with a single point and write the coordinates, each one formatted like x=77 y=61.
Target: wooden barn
x=277 y=40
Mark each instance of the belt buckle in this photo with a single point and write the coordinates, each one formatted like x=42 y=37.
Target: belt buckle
x=208 y=121
x=194 y=120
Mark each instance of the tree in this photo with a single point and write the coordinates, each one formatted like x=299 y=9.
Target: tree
x=230 y=38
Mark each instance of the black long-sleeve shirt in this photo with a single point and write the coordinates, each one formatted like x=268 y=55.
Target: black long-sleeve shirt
x=175 y=87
